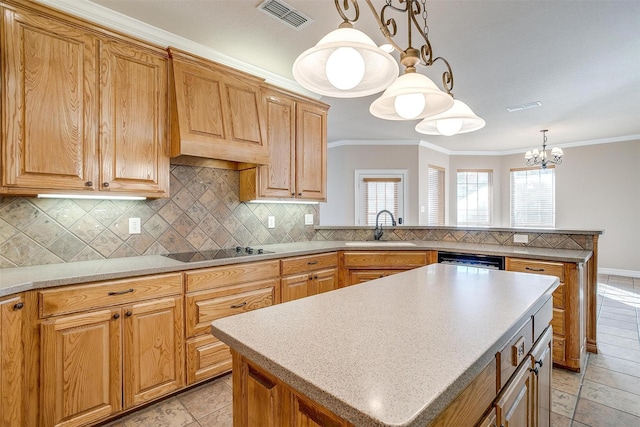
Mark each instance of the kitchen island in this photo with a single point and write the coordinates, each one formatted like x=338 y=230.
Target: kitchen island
x=396 y=351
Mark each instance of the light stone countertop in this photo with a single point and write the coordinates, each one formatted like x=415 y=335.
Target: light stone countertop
x=394 y=351
x=19 y=279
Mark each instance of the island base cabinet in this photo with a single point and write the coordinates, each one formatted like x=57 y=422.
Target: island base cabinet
x=515 y=407
x=259 y=399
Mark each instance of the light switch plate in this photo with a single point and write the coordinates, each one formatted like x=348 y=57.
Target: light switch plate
x=271 y=221
x=308 y=219
x=134 y=226
x=520 y=238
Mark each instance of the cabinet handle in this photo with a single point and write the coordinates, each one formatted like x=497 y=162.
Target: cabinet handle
x=312 y=262
x=18 y=306
x=310 y=276
x=299 y=194
x=128 y=314
x=128 y=291
x=293 y=194
x=315 y=277
x=89 y=183
x=105 y=184
x=116 y=316
x=534 y=269
x=238 y=305
x=534 y=370
x=539 y=362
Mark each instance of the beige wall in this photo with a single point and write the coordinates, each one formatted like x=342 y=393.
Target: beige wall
x=597 y=187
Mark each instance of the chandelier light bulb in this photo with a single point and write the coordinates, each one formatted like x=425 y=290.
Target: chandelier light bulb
x=345 y=68
x=410 y=105
x=449 y=127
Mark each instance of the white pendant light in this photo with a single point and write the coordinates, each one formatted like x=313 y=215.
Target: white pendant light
x=458 y=119
x=345 y=63
x=411 y=96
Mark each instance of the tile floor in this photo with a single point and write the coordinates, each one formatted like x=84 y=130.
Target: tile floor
x=607 y=393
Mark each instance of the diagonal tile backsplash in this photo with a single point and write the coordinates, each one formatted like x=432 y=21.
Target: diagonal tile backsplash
x=204 y=212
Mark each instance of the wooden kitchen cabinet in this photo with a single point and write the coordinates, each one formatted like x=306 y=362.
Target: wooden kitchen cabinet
x=309 y=275
x=362 y=266
x=569 y=308
x=515 y=405
x=541 y=364
x=83 y=112
x=216 y=111
x=216 y=292
x=98 y=362
x=297 y=139
x=11 y=362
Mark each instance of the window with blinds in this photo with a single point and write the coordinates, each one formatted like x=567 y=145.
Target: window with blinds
x=435 y=195
x=380 y=194
x=533 y=197
x=474 y=197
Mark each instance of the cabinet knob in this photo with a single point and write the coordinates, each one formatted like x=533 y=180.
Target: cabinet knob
x=299 y=194
x=293 y=194
x=18 y=306
x=89 y=183
x=128 y=313
x=539 y=362
x=310 y=276
x=315 y=277
x=116 y=316
x=105 y=184
x=534 y=370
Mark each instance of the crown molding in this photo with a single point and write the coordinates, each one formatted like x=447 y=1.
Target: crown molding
x=132 y=27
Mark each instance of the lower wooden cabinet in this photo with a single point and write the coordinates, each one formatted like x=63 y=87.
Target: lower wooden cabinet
x=96 y=363
x=309 y=275
x=362 y=266
x=515 y=406
x=11 y=361
x=218 y=292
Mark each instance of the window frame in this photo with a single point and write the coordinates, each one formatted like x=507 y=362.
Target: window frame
x=441 y=196
x=490 y=213
x=360 y=174
x=550 y=168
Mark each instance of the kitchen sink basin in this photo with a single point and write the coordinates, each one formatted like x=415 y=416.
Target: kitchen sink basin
x=379 y=243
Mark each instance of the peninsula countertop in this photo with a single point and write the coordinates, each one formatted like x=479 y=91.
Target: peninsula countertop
x=19 y=279
x=394 y=351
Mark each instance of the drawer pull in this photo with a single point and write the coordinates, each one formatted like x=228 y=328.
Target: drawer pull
x=128 y=291
x=238 y=305
x=312 y=262
x=534 y=269
x=18 y=306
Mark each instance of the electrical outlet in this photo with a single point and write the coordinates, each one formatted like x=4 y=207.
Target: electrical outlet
x=271 y=221
x=308 y=219
x=422 y=209
x=134 y=226
x=520 y=238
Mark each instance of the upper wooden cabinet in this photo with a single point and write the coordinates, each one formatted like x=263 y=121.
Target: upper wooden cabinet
x=216 y=111
x=297 y=138
x=82 y=111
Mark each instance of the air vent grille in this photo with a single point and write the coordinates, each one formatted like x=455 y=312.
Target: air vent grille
x=284 y=13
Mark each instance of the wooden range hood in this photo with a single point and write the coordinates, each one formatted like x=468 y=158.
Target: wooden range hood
x=217 y=113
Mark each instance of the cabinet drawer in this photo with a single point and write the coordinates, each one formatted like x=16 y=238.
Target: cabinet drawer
x=542 y=319
x=304 y=264
x=515 y=352
x=71 y=299
x=206 y=306
x=558 y=296
x=537 y=267
x=207 y=357
x=229 y=275
x=558 y=322
x=381 y=259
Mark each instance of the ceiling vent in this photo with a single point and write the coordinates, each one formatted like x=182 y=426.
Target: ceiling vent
x=284 y=13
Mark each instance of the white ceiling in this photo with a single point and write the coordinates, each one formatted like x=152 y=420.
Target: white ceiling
x=581 y=59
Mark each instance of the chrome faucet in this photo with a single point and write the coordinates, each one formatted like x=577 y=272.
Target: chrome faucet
x=377 y=233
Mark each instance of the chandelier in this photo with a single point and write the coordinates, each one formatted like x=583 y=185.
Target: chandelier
x=536 y=157
x=346 y=63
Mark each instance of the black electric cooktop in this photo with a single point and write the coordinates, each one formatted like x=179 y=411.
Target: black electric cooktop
x=236 y=252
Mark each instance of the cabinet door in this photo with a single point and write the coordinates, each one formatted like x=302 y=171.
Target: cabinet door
x=298 y=286
x=311 y=152
x=515 y=407
x=277 y=179
x=489 y=420
x=262 y=399
x=133 y=120
x=11 y=362
x=48 y=103
x=153 y=350
x=81 y=365
x=309 y=414
x=325 y=280
x=541 y=355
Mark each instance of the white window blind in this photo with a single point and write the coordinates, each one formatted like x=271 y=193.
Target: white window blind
x=379 y=194
x=474 y=197
x=533 y=197
x=435 y=195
